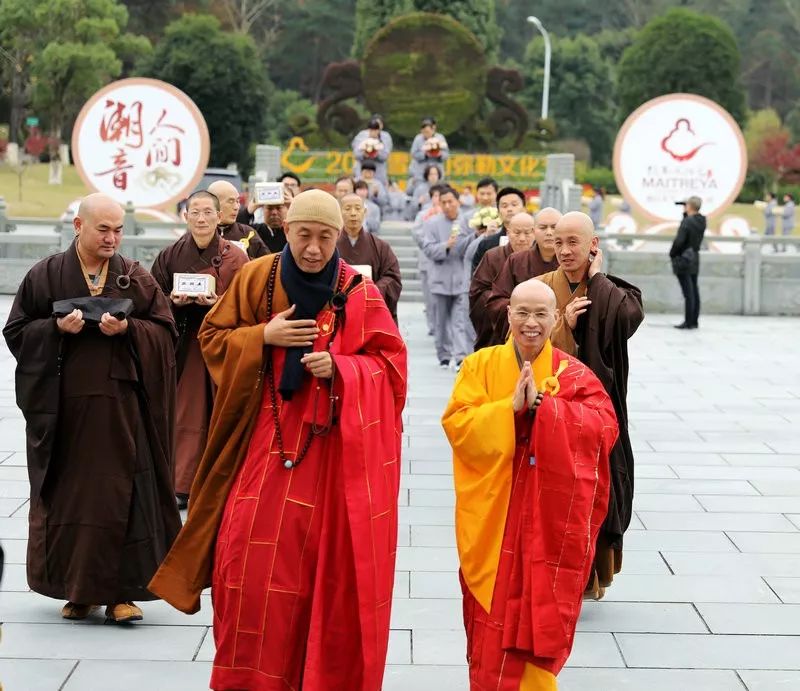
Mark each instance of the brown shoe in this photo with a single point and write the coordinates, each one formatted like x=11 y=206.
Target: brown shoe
x=72 y=610
x=124 y=611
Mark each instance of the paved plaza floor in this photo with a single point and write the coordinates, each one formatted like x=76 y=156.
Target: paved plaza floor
x=709 y=596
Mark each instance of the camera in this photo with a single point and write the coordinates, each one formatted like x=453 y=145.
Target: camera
x=268 y=193
x=683 y=203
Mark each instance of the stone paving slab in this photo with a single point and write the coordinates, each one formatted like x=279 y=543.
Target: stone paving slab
x=709 y=596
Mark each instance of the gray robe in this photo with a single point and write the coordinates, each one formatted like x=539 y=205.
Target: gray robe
x=381 y=159
x=420 y=159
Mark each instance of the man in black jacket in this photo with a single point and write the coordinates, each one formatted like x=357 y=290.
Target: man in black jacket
x=685 y=256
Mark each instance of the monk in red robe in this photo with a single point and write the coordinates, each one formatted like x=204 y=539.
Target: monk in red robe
x=293 y=511
x=367 y=253
x=200 y=251
x=522 y=266
x=531 y=429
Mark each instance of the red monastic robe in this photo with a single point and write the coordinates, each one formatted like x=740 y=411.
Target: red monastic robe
x=531 y=495
x=303 y=559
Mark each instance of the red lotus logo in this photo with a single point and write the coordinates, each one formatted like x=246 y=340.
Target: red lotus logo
x=682 y=143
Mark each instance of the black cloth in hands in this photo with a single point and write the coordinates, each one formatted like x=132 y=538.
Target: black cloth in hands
x=94 y=308
x=309 y=293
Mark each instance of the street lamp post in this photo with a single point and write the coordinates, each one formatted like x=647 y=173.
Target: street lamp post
x=546 y=88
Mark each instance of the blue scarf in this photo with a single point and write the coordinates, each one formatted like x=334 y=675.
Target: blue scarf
x=309 y=293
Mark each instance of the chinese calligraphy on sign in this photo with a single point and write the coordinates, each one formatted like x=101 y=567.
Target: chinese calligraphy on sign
x=141 y=140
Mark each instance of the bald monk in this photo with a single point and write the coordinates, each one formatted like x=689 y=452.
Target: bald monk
x=228 y=227
x=293 y=512
x=200 y=251
x=520 y=231
x=360 y=249
x=531 y=429
x=521 y=266
x=96 y=383
x=598 y=313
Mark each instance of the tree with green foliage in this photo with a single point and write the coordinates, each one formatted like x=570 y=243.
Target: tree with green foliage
x=476 y=15
x=309 y=36
x=222 y=74
x=682 y=51
x=581 y=91
x=62 y=52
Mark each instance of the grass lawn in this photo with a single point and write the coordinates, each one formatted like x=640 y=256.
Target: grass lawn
x=39 y=199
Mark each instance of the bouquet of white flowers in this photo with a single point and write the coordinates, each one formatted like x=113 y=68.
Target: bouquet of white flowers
x=371 y=146
x=484 y=216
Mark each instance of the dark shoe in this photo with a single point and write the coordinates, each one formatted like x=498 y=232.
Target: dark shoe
x=182 y=500
x=682 y=326
x=124 y=611
x=444 y=364
x=692 y=326
x=76 y=612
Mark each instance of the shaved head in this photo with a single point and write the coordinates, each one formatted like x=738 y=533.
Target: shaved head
x=222 y=188
x=531 y=316
x=229 y=202
x=354 y=211
x=546 y=221
x=575 y=242
x=98 y=202
x=520 y=231
x=533 y=288
x=355 y=198
x=98 y=228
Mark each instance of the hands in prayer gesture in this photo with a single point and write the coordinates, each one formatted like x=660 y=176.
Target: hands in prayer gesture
x=525 y=393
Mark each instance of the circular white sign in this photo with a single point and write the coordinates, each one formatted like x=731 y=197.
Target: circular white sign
x=677 y=146
x=141 y=140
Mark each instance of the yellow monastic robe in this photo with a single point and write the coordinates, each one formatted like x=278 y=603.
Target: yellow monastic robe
x=479 y=422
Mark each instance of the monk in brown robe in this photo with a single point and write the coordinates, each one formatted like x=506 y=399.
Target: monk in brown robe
x=229 y=228
x=598 y=313
x=95 y=380
x=200 y=251
x=361 y=249
x=520 y=237
x=522 y=266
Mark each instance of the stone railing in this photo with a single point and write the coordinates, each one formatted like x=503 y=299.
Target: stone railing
x=748 y=282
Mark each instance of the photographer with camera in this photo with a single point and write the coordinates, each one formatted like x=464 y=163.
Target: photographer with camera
x=685 y=256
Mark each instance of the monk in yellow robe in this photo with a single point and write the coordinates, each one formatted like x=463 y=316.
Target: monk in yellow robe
x=531 y=429
x=598 y=313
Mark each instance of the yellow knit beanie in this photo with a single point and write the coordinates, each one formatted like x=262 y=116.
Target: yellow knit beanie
x=316 y=205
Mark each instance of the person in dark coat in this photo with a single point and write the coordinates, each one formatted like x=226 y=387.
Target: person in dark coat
x=510 y=202
x=98 y=395
x=685 y=256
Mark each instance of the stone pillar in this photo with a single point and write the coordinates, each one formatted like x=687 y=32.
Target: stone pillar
x=5 y=226
x=129 y=225
x=67 y=230
x=751 y=276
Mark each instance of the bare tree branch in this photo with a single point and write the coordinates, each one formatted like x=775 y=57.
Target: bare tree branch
x=244 y=13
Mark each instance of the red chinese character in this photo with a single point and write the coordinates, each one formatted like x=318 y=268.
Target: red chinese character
x=121 y=166
x=161 y=123
x=122 y=124
x=164 y=151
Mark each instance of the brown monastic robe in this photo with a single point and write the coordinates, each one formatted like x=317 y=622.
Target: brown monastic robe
x=99 y=413
x=379 y=255
x=601 y=341
x=519 y=267
x=222 y=260
x=239 y=232
x=479 y=290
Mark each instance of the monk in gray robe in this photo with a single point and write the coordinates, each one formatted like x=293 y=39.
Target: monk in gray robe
x=94 y=338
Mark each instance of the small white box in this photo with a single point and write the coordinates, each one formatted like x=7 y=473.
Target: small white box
x=269 y=193
x=363 y=269
x=193 y=285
